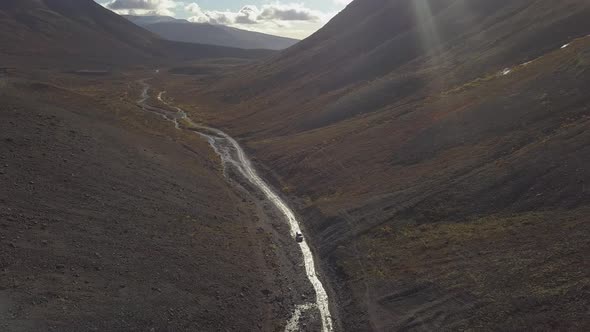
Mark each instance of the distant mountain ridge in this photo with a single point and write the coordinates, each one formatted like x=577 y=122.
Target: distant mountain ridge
x=204 y=33
x=152 y=19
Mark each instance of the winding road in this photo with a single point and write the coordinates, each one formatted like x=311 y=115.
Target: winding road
x=232 y=155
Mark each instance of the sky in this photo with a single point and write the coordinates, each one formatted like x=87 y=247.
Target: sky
x=288 y=18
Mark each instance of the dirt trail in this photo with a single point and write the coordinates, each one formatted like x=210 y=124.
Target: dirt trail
x=232 y=155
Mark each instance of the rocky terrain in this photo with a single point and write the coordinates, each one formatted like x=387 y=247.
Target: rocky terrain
x=110 y=219
x=435 y=151
x=439 y=162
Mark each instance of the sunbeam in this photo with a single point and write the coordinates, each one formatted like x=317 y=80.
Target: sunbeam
x=425 y=24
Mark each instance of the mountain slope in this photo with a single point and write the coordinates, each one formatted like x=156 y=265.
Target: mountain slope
x=402 y=38
x=201 y=33
x=437 y=150
x=113 y=220
x=66 y=30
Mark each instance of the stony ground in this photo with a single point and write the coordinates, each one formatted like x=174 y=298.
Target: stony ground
x=450 y=197
x=112 y=221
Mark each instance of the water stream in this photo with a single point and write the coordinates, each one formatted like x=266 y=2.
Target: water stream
x=232 y=155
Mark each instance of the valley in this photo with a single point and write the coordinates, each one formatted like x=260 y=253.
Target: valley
x=414 y=165
x=233 y=156
x=405 y=164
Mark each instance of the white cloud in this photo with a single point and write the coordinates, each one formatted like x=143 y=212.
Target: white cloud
x=193 y=8
x=267 y=17
x=246 y=15
x=279 y=17
x=142 y=7
x=289 y=12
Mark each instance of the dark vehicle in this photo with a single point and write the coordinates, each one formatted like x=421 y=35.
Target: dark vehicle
x=299 y=237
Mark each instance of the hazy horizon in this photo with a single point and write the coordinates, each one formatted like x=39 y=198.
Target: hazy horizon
x=281 y=18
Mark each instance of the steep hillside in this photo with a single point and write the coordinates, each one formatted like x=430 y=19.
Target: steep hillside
x=419 y=42
x=437 y=150
x=76 y=32
x=201 y=33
